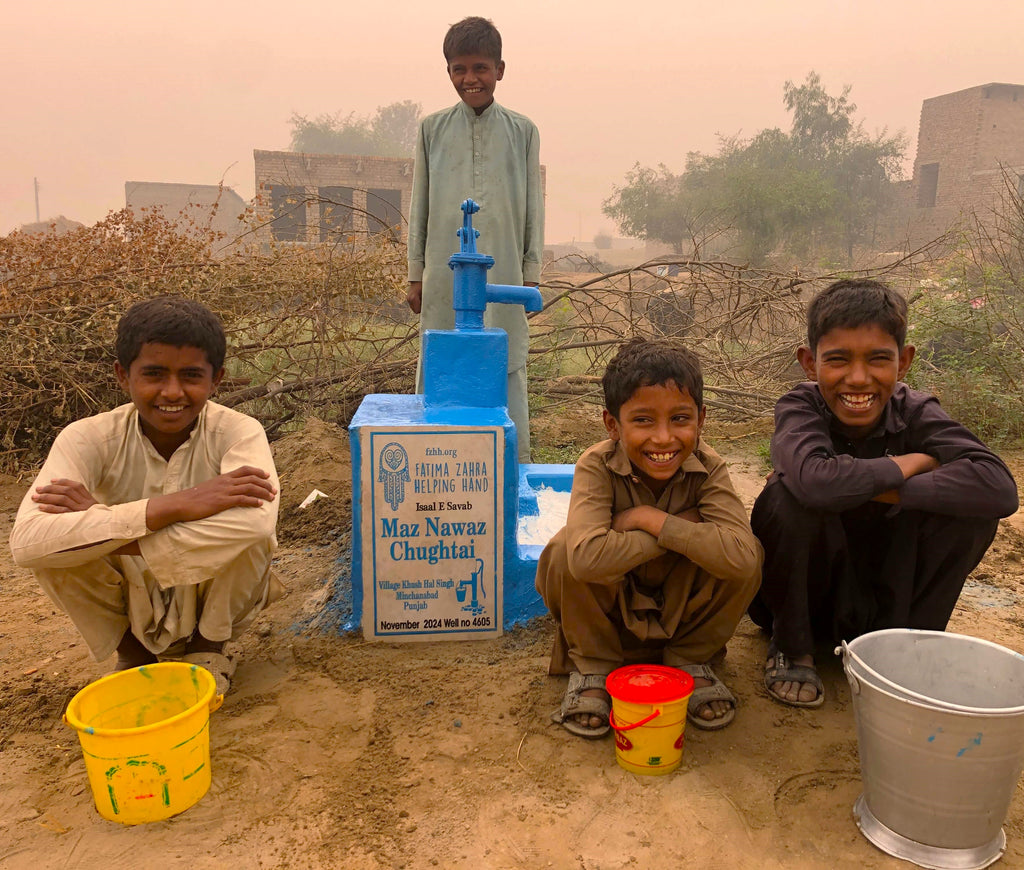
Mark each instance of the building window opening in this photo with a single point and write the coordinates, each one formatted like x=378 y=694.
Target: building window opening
x=384 y=211
x=335 y=212
x=289 y=207
x=929 y=185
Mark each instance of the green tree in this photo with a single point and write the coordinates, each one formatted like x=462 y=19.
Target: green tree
x=653 y=205
x=822 y=124
x=390 y=132
x=763 y=190
x=859 y=168
x=820 y=187
x=864 y=175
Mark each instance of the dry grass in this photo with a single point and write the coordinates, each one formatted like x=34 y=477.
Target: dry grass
x=309 y=328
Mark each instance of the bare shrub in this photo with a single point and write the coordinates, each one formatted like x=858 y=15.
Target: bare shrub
x=313 y=327
x=968 y=323
x=310 y=327
x=745 y=324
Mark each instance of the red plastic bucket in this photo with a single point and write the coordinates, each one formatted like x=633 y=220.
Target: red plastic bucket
x=648 y=716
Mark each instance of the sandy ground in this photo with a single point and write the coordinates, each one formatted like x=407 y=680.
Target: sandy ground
x=332 y=752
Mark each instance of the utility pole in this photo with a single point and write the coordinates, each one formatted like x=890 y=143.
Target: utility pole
x=35 y=183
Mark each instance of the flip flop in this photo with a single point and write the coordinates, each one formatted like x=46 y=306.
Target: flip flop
x=220 y=665
x=574 y=703
x=782 y=670
x=717 y=691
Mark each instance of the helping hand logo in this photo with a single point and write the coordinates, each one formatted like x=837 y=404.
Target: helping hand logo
x=393 y=472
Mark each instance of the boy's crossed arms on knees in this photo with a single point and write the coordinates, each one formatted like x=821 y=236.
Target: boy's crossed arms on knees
x=243 y=487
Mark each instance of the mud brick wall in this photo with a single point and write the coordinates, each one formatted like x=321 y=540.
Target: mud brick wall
x=963 y=141
x=313 y=173
x=190 y=206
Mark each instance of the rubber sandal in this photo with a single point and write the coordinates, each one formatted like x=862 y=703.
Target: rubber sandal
x=574 y=703
x=782 y=670
x=220 y=665
x=703 y=695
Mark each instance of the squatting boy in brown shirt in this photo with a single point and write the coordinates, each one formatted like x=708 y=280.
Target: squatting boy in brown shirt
x=657 y=550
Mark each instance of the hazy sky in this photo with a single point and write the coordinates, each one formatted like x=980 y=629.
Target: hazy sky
x=97 y=93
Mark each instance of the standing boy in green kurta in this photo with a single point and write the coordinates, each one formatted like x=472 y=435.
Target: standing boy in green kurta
x=479 y=150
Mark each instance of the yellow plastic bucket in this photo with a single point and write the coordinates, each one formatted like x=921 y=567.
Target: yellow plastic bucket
x=648 y=716
x=145 y=735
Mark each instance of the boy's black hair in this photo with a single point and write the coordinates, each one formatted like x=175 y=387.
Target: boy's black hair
x=643 y=362
x=473 y=35
x=855 y=302
x=172 y=320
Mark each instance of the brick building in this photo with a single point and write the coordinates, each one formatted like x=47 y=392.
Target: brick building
x=965 y=143
x=314 y=197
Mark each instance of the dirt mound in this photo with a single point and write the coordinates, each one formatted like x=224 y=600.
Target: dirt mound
x=561 y=437
x=317 y=458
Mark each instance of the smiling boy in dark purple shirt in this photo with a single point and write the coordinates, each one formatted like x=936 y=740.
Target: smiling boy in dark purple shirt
x=880 y=504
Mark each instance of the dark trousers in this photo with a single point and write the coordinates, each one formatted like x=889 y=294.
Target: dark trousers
x=833 y=576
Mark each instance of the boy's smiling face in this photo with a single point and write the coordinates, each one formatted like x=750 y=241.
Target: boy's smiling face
x=658 y=426
x=857 y=370
x=169 y=386
x=474 y=77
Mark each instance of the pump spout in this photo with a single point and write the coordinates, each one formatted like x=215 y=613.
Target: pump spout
x=528 y=297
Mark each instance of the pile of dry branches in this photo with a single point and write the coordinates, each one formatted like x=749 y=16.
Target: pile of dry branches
x=744 y=324
x=314 y=327
x=310 y=328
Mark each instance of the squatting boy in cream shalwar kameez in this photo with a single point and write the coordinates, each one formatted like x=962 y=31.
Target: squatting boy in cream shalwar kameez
x=152 y=525
x=169 y=591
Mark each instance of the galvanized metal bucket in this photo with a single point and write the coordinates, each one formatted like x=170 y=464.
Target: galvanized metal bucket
x=940 y=728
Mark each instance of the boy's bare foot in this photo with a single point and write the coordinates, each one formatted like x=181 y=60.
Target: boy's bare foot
x=791 y=690
x=793 y=681
x=131 y=653
x=592 y=720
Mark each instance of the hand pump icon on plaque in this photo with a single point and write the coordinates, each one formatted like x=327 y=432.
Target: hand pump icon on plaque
x=472 y=585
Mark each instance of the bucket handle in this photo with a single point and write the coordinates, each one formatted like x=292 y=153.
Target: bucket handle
x=611 y=721
x=844 y=651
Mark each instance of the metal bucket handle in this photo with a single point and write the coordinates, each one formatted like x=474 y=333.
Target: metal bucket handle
x=844 y=651
x=911 y=696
